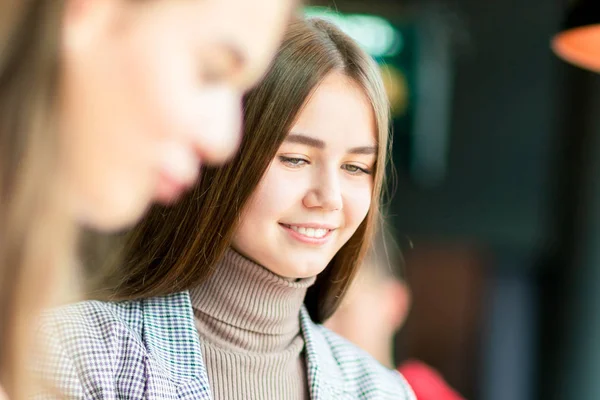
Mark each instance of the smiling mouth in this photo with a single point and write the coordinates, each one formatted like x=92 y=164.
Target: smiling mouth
x=313 y=233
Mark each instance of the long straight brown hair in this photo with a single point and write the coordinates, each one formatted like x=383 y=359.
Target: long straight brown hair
x=35 y=231
x=175 y=248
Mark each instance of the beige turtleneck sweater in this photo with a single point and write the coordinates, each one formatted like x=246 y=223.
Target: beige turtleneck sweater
x=248 y=320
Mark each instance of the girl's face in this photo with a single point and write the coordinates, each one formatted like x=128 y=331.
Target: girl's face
x=149 y=90
x=317 y=190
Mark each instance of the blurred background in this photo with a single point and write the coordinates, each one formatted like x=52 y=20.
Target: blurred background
x=497 y=199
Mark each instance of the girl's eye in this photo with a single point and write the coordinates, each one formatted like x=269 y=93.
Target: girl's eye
x=293 y=162
x=219 y=68
x=355 y=169
x=216 y=72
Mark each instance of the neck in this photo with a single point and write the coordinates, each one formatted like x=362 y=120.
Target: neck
x=248 y=306
x=381 y=351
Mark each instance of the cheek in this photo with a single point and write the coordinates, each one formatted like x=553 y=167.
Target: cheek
x=263 y=205
x=254 y=234
x=179 y=106
x=157 y=68
x=276 y=198
x=357 y=205
x=160 y=88
x=279 y=192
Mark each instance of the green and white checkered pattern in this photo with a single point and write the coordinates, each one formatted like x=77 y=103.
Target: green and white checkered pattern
x=150 y=349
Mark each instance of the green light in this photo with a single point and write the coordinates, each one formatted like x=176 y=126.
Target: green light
x=375 y=34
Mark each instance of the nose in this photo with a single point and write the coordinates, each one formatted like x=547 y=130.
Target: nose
x=219 y=132
x=326 y=192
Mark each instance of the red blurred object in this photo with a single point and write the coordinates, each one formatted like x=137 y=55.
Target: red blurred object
x=427 y=383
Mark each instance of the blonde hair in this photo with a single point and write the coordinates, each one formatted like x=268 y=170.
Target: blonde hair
x=35 y=233
x=384 y=259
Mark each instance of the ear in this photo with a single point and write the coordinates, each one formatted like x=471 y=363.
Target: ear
x=397 y=300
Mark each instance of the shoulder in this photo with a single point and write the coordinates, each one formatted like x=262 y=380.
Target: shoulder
x=360 y=375
x=81 y=343
x=94 y=320
x=362 y=372
x=103 y=349
x=94 y=328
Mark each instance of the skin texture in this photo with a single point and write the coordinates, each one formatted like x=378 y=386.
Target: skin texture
x=319 y=178
x=148 y=91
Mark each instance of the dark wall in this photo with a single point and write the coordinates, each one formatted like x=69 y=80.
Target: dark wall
x=503 y=144
x=522 y=179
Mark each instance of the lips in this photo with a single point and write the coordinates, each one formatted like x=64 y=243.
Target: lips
x=168 y=190
x=310 y=233
x=178 y=169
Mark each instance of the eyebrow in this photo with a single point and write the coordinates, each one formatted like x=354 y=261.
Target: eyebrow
x=363 y=150
x=305 y=140
x=319 y=144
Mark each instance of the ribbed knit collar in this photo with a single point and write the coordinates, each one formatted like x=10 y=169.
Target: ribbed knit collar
x=244 y=306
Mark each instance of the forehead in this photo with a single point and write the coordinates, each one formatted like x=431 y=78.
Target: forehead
x=254 y=28
x=339 y=113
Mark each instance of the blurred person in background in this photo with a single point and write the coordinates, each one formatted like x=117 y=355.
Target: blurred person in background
x=225 y=290
x=107 y=106
x=374 y=310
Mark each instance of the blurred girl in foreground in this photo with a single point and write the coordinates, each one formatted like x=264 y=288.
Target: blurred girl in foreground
x=105 y=107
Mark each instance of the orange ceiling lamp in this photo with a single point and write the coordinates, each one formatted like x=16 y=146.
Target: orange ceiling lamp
x=579 y=41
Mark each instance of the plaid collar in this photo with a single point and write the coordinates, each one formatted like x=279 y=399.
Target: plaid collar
x=170 y=337
x=325 y=380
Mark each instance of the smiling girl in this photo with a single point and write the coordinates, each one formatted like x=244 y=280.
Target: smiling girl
x=224 y=292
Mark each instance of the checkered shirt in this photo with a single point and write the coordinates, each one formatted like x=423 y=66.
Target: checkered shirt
x=150 y=349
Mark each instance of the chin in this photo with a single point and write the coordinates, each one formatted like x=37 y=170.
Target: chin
x=304 y=270
x=114 y=216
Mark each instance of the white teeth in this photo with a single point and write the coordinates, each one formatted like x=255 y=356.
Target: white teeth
x=310 y=232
